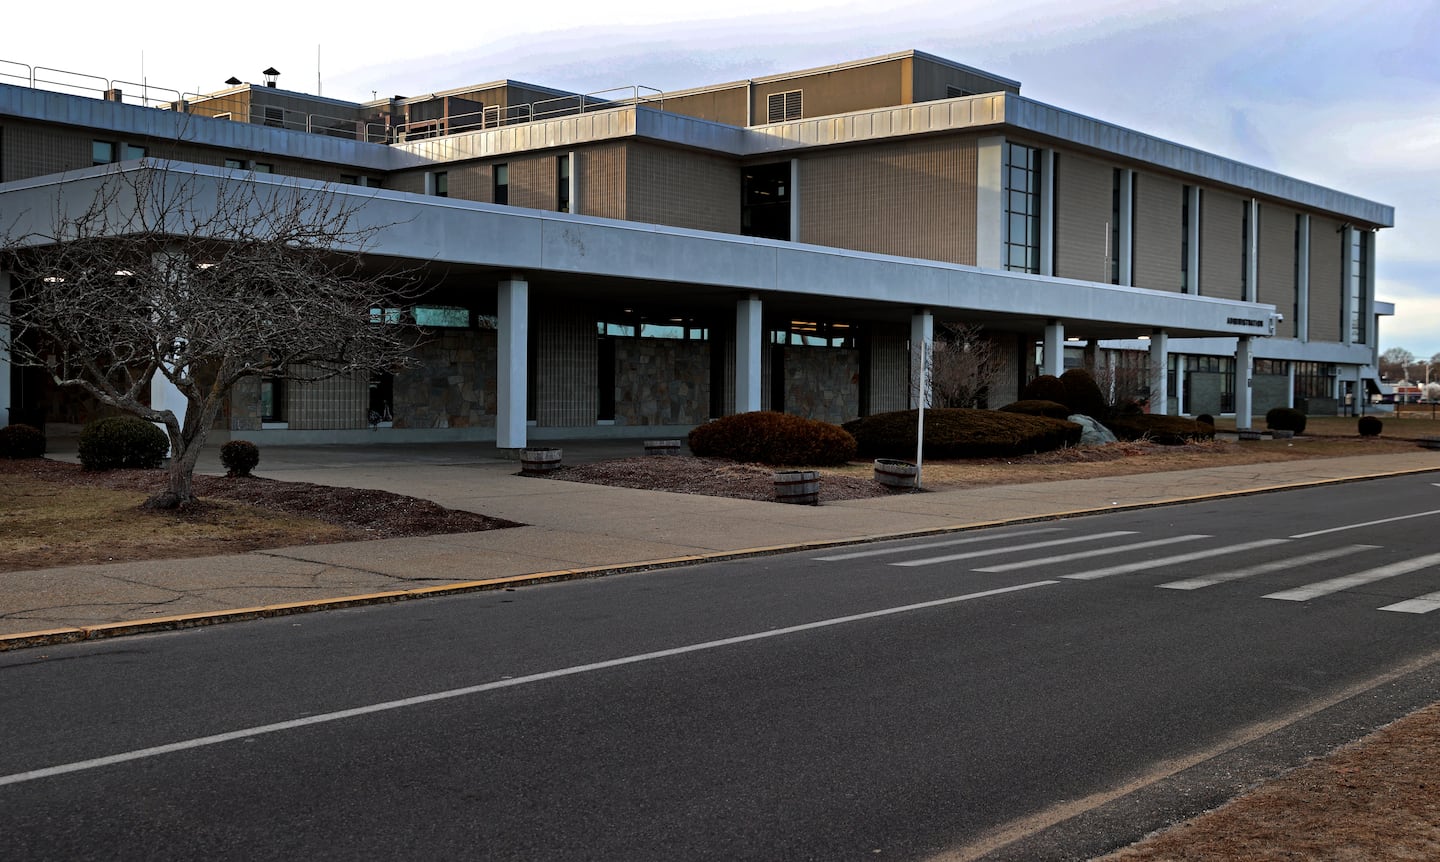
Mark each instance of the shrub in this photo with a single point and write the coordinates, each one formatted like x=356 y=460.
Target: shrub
x=1046 y=387
x=21 y=441
x=1165 y=430
x=239 y=457
x=121 y=441
x=1053 y=409
x=1285 y=419
x=1206 y=419
x=1083 y=395
x=773 y=438
x=1370 y=426
x=961 y=433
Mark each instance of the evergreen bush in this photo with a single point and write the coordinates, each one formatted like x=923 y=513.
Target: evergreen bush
x=1370 y=426
x=239 y=457
x=121 y=442
x=1165 y=430
x=961 y=433
x=1053 y=409
x=1206 y=419
x=778 y=439
x=22 y=441
x=1083 y=395
x=1285 y=419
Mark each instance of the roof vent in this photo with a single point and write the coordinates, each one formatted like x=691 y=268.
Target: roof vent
x=233 y=81
x=271 y=75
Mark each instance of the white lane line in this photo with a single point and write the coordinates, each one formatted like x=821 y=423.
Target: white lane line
x=969 y=555
x=1143 y=565
x=1366 y=524
x=1098 y=552
x=1266 y=568
x=1359 y=579
x=968 y=540
x=1419 y=605
x=324 y=718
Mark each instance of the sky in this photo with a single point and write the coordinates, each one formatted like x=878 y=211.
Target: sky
x=1343 y=94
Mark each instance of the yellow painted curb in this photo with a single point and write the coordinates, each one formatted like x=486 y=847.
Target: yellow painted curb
x=46 y=637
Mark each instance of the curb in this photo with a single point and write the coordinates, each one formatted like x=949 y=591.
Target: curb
x=76 y=634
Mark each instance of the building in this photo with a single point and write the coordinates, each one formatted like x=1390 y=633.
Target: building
x=635 y=262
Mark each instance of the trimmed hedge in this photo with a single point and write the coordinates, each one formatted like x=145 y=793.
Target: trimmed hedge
x=1083 y=395
x=1370 y=426
x=961 y=433
x=778 y=439
x=239 y=457
x=1053 y=409
x=1206 y=418
x=121 y=442
x=22 y=441
x=1046 y=387
x=1165 y=430
x=1285 y=419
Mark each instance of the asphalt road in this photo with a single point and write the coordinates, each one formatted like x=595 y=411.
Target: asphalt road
x=1046 y=690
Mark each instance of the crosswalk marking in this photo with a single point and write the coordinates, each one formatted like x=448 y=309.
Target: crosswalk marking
x=1143 y=565
x=990 y=552
x=1097 y=552
x=988 y=537
x=1420 y=605
x=1266 y=568
x=1366 y=524
x=1359 y=579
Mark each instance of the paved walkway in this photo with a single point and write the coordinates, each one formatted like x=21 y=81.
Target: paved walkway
x=573 y=530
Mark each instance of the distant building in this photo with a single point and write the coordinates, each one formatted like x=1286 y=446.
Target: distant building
x=635 y=262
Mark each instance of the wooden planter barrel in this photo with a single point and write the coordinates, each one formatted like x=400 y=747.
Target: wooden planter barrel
x=662 y=447
x=535 y=462
x=895 y=474
x=1249 y=434
x=801 y=487
x=1282 y=434
x=1430 y=442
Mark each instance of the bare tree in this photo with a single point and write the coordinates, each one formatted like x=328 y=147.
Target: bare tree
x=1395 y=362
x=964 y=366
x=203 y=281
x=1123 y=377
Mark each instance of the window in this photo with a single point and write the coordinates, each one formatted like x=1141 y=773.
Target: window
x=1185 y=239
x=812 y=333
x=1300 y=228
x=562 y=184
x=442 y=316
x=263 y=168
x=382 y=397
x=272 y=399
x=350 y=179
x=780 y=107
x=1271 y=366
x=1314 y=380
x=954 y=92
x=130 y=151
x=500 y=184
x=1224 y=367
x=1245 y=250
x=102 y=152
x=1114 y=239
x=235 y=164
x=1022 y=208
x=765 y=201
x=1358 y=242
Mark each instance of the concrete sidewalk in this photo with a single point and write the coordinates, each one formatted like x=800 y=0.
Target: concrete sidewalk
x=574 y=530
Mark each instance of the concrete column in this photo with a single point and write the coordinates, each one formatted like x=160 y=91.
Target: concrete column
x=749 y=342
x=795 y=200
x=922 y=340
x=1372 y=320
x=1052 y=356
x=1290 y=390
x=1302 y=279
x=5 y=392
x=1180 y=386
x=573 y=182
x=513 y=355
x=1159 y=365
x=1347 y=280
x=1244 y=363
x=990 y=204
x=1192 y=253
x=1047 y=212
x=1126 y=251
x=1252 y=252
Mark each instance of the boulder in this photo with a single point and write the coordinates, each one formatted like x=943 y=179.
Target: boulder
x=1094 y=434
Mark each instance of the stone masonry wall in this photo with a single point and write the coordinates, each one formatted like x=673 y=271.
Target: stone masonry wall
x=822 y=383
x=661 y=381
x=454 y=384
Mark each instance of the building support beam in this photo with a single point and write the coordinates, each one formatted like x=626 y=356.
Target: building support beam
x=749 y=342
x=922 y=341
x=1052 y=356
x=1159 y=366
x=1047 y=212
x=1252 y=251
x=1244 y=369
x=6 y=394
x=513 y=355
x=795 y=200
